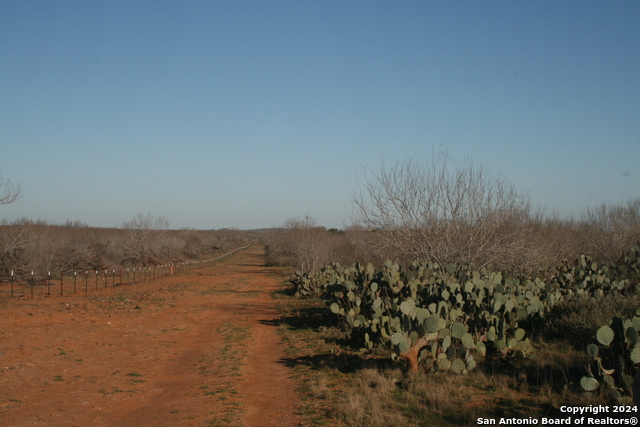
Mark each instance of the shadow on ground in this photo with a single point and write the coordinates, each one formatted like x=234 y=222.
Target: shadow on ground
x=317 y=320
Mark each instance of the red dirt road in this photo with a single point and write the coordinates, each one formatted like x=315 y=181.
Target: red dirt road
x=197 y=349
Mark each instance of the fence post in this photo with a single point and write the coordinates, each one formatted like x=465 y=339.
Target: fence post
x=75 y=280
x=61 y=283
x=32 y=283
x=11 y=283
x=49 y=284
x=96 y=279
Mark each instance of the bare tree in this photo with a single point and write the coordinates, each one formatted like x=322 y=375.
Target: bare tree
x=9 y=192
x=13 y=241
x=27 y=245
x=142 y=237
x=306 y=243
x=609 y=231
x=437 y=211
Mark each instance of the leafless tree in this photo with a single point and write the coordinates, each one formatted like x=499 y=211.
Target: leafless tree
x=306 y=243
x=12 y=246
x=12 y=243
x=28 y=245
x=609 y=230
x=142 y=237
x=9 y=192
x=434 y=210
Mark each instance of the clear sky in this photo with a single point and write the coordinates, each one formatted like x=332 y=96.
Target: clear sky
x=244 y=113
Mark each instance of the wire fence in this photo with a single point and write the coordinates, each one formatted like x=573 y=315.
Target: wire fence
x=63 y=283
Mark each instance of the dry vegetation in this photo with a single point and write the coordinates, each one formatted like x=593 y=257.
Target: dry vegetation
x=541 y=242
x=465 y=215
x=435 y=211
x=27 y=245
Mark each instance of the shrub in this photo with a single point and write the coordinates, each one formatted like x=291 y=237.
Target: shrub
x=578 y=320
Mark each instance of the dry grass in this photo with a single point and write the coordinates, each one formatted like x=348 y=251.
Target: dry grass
x=368 y=400
x=578 y=320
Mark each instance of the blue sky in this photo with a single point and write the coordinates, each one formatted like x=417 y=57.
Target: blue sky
x=243 y=114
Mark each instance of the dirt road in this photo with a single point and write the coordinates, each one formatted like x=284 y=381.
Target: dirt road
x=198 y=349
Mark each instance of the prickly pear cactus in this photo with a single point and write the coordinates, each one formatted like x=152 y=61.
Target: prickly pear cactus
x=446 y=320
x=448 y=317
x=615 y=356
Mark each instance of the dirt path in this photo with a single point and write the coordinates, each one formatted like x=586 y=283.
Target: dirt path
x=199 y=349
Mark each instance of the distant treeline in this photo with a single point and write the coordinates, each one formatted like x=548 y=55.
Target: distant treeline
x=35 y=245
x=521 y=245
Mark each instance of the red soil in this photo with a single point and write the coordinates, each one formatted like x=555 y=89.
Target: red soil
x=200 y=348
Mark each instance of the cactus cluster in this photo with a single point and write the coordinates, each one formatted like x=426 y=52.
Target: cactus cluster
x=615 y=355
x=446 y=316
x=587 y=277
x=311 y=285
